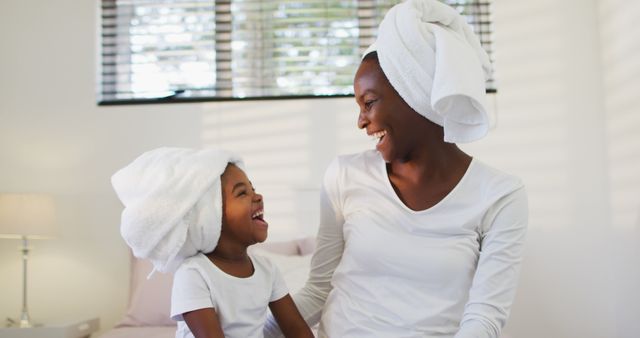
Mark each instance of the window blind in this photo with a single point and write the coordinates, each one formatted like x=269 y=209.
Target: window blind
x=199 y=50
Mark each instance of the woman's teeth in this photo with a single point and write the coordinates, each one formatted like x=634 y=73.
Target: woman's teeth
x=378 y=135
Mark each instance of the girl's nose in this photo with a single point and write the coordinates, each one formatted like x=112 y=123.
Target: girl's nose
x=257 y=197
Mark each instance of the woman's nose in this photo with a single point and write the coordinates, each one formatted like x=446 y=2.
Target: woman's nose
x=362 y=120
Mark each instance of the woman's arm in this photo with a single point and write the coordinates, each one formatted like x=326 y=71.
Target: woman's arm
x=203 y=323
x=330 y=245
x=289 y=319
x=496 y=277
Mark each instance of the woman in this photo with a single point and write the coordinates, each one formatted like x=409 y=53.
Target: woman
x=417 y=238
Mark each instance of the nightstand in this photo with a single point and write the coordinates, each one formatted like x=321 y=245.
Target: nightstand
x=81 y=329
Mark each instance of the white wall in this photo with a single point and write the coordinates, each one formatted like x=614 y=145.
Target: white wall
x=620 y=38
x=558 y=89
x=550 y=131
x=54 y=139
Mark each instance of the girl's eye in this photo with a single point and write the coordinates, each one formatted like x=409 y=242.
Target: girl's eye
x=242 y=193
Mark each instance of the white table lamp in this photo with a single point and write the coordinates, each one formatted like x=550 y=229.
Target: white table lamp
x=25 y=217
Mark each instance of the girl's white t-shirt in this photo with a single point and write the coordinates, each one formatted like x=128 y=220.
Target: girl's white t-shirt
x=241 y=303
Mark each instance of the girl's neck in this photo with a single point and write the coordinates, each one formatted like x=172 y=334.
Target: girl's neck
x=233 y=260
x=230 y=253
x=229 y=258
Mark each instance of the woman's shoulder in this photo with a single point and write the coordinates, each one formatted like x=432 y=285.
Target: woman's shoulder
x=356 y=162
x=352 y=169
x=360 y=158
x=494 y=181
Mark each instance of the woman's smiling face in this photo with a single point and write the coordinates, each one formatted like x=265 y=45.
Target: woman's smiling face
x=383 y=113
x=243 y=209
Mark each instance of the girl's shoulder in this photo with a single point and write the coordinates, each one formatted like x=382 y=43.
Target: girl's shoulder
x=262 y=263
x=195 y=261
x=193 y=265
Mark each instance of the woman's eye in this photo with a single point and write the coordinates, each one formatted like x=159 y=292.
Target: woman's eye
x=242 y=193
x=368 y=104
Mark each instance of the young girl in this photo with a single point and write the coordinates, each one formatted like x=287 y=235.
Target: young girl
x=195 y=213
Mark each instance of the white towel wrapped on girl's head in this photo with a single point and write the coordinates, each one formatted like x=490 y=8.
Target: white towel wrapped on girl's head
x=173 y=203
x=435 y=62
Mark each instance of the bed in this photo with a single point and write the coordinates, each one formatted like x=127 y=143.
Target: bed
x=147 y=313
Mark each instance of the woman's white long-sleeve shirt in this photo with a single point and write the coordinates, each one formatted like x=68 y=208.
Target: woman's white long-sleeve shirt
x=383 y=270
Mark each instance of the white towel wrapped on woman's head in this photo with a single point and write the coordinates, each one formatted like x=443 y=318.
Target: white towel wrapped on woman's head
x=437 y=65
x=173 y=203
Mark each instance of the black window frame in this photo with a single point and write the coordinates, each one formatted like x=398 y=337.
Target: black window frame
x=375 y=10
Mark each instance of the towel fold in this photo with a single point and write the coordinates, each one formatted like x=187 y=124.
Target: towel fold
x=435 y=62
x=173 y=203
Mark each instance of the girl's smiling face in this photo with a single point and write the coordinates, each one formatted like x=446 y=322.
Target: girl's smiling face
x=242 y=209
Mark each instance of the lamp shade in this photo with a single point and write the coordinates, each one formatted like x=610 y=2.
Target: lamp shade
x=31 y=215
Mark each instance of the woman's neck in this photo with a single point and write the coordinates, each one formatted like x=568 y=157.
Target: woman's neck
x=426 y=179
x=431 y=161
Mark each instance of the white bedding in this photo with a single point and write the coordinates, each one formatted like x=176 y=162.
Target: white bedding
x=141 y=332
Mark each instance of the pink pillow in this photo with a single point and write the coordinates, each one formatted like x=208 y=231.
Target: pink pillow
x=306 y=246
x=149 y=300
x=297 y=247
